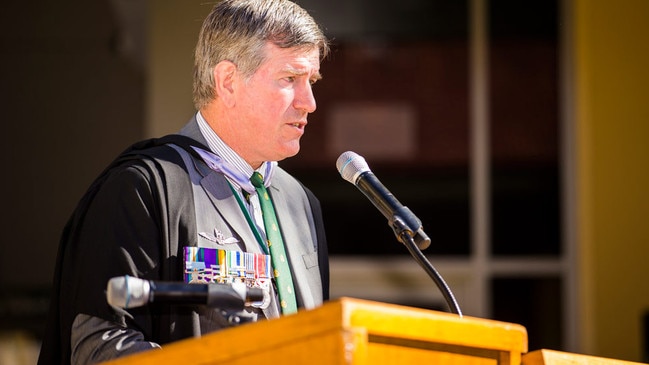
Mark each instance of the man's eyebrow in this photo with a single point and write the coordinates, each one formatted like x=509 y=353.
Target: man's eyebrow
x=301 y=72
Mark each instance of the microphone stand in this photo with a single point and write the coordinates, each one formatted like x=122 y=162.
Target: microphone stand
x=405 y=235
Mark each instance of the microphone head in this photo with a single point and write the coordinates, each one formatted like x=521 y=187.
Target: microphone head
x=128 y=292
x=351 y=165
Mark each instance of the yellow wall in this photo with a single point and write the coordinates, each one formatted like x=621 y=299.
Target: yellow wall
x=612 y=124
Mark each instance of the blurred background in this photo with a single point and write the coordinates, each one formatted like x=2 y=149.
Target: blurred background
x=517 y=131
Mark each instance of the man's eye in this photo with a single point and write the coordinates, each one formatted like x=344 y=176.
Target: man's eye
x=290 y=79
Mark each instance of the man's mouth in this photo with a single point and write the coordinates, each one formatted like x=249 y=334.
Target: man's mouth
x=299 y=125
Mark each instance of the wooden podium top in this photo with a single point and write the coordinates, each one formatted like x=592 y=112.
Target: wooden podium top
x=352 y=331
x=552 y=357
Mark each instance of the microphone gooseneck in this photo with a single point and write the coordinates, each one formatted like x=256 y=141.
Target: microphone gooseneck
x=406 y=226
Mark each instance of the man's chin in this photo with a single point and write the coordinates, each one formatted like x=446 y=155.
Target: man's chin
x=290 y=151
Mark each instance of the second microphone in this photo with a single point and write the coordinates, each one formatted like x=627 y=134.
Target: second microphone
x=353 y=168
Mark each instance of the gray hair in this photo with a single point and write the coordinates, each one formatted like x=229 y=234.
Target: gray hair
x=238 y=30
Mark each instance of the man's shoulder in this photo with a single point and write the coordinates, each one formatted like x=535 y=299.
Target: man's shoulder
x=283 y=177
x=154 y=160
x=161 y=146
x=285 y=180
x=158 y=152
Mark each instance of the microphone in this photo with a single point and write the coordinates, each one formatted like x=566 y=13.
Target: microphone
x=129 y=292
x=353 y=168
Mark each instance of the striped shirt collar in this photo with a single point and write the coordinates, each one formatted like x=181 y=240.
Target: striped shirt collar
x=225 y=160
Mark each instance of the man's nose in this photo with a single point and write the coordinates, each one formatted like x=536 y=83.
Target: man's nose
x=304 y=99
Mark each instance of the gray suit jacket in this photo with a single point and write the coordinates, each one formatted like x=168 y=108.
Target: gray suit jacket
x=217 y=208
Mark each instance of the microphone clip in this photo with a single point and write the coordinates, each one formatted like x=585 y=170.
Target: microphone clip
x=405 y=222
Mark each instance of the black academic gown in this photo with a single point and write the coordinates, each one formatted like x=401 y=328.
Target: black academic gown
x=151 y=215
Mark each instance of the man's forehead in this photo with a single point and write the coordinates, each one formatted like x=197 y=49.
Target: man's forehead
x=307 y=52
x=297 y=61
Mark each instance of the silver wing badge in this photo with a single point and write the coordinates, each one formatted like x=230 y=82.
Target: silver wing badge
x=218 y=237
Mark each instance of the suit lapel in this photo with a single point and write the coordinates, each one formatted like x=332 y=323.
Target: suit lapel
x=219 y=191
x=220 y=194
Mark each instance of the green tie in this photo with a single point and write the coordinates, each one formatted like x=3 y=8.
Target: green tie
x=276 y=245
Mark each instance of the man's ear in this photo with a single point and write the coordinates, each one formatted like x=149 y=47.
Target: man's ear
x=224 y=74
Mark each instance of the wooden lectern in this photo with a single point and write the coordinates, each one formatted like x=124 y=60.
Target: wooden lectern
x=552 y=357
x=351 y=331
